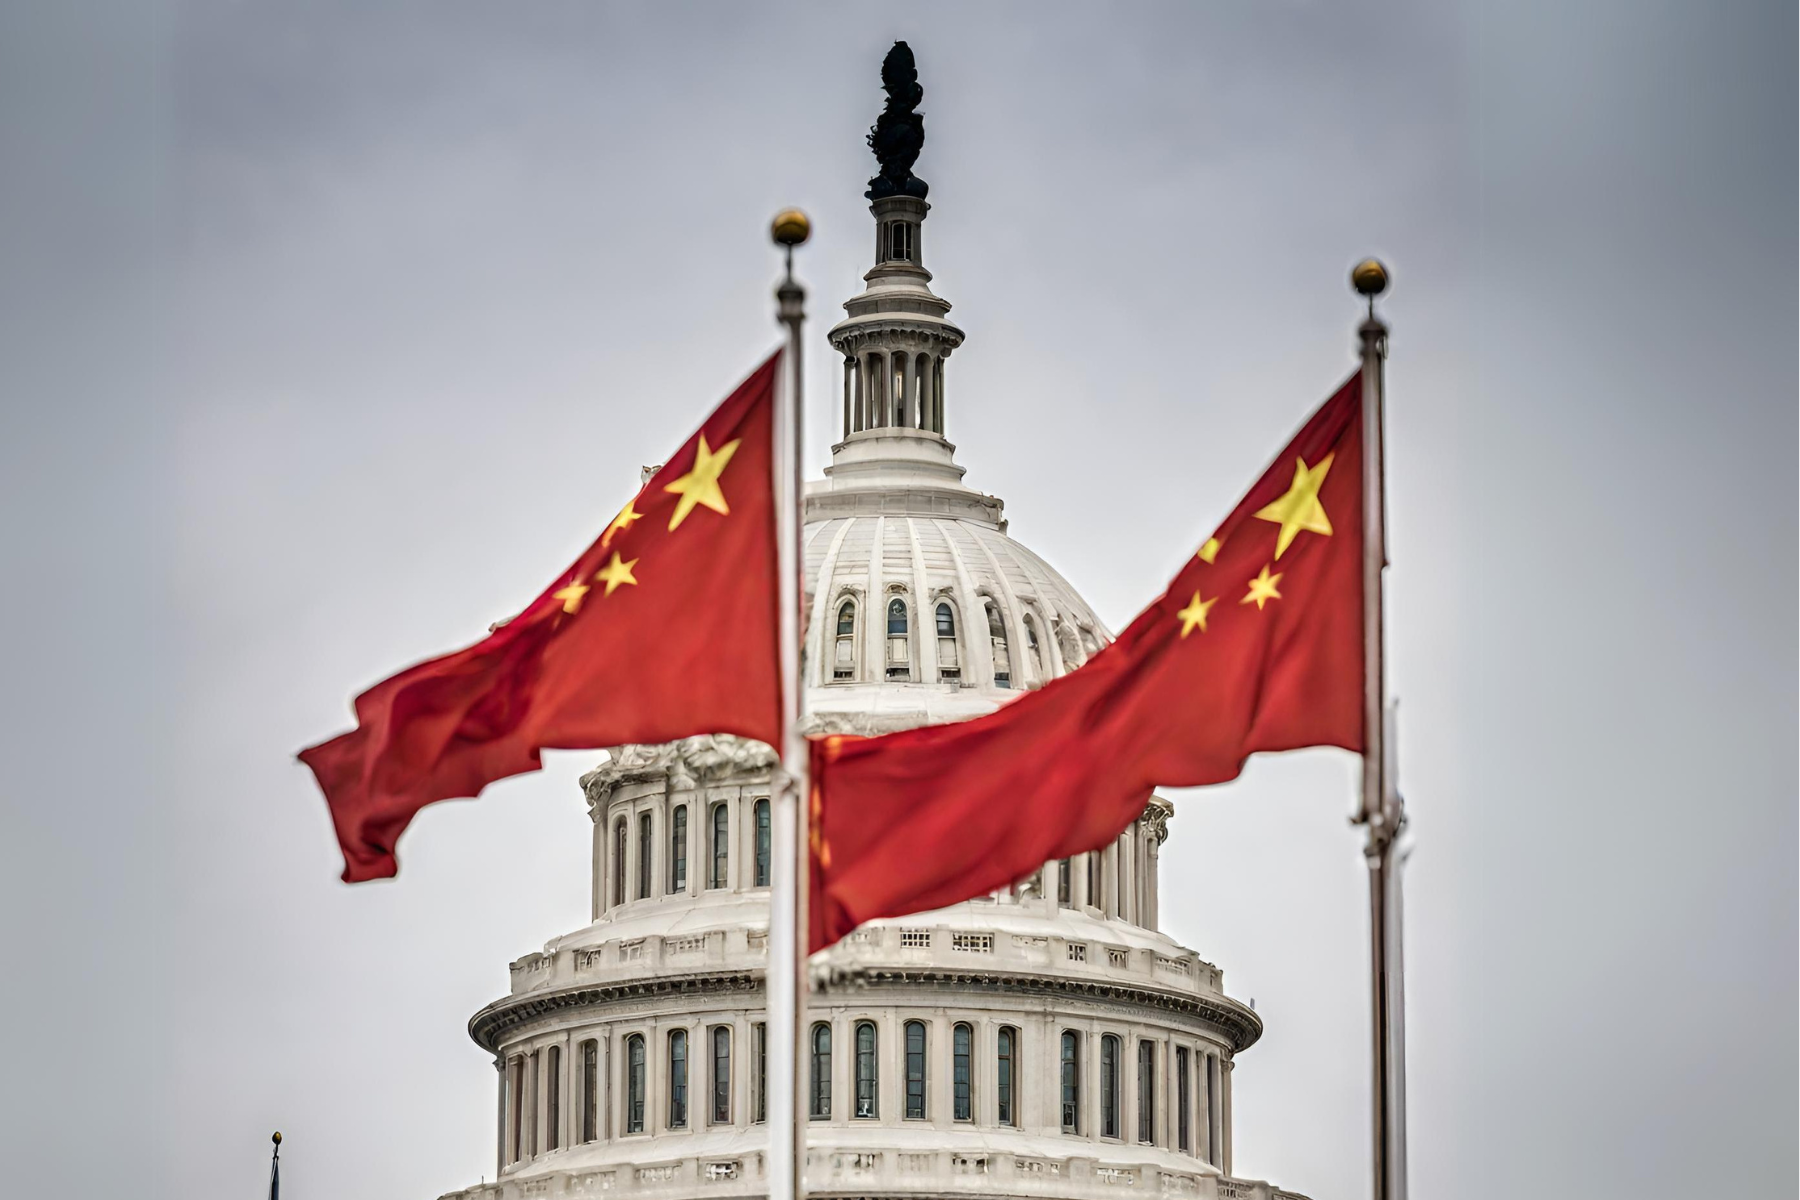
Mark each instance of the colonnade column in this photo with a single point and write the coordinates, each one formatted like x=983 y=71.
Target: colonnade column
x=908 y=390
x=927 y=393
x=1128 y=893
x=1225 y=1066
x=1153 y=882
x=849 y=396
x=865 y=368
x=937 y=387
x=879 y=370
x=599 y=868
x=500 y=1139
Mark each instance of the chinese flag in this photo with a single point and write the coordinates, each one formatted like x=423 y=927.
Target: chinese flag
x=664 y=628
x=1257 y=645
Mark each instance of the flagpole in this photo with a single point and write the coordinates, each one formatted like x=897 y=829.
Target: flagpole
x=275 y=1168
x=1381 y=812
x=785 y=978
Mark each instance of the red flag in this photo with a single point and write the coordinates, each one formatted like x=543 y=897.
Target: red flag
x=1257 y=645
x=664 y=628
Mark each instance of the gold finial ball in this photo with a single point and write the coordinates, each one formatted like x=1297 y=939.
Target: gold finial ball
x=1369 y=277
x=790 y=227
x=277 y=1138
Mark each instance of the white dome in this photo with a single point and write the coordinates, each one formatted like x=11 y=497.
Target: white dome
x=980 y=618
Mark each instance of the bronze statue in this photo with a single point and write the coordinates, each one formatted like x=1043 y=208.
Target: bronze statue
x=899 y=133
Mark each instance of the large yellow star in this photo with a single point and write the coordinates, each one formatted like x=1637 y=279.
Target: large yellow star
x=615 y=574
x=620 y=523
x=701 y=485
x=570 y=597
x=1299 y=508
x=1195 y=614
x=1262 y=588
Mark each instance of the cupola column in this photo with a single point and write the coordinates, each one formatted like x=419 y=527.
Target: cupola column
x=849 y=395
x=927 y=401
x=908 y=389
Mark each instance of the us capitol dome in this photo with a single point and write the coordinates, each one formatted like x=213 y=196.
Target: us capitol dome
x=1045 y=1041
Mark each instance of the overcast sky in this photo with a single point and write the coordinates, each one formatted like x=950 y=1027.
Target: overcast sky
x=329 y=332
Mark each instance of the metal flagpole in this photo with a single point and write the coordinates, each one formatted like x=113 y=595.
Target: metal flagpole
x=1381 y=813
x=785 y=978
x=275 y=1168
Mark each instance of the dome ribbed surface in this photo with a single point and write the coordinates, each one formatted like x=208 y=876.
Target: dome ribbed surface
x=1010 y=621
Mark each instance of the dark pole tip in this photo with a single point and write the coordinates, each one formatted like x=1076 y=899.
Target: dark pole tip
x=277 y=1138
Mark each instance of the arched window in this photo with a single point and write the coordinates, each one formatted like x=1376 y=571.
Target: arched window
x=1037 y=650
x=721 y=846
x=1146 y=1092
x=865 y=1070
x=915 y=1070
x=553 y=1107
x=678 y=849
x=721 y=1075
x=962 y=1049
x=997 y=639
x=646 y=854
x=818 y=1105
x=634 y=1084
x=759 y=1071
x=900 y=241
x=678 y=1078
x=590 y=1090
x=1071 y=653
x=1184 y=1101
x=1071 y=1081
x=899 y=653
x=618 y=888
x=843 y=662
x=949 y=665
x=1064 y=883
x=1006 y=1055
x=1109 y=1086
x=761 y=809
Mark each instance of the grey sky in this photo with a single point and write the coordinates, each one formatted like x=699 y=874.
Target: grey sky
x=329 y=331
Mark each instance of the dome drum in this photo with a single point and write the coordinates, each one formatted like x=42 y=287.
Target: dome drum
x=915 y=1078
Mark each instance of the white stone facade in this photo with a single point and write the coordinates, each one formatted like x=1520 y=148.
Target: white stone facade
x=1046 y=1041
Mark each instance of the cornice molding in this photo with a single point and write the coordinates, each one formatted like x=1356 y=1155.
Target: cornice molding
x=1236 y=1024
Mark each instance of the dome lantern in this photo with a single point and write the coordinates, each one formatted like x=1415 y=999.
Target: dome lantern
x=896 y=340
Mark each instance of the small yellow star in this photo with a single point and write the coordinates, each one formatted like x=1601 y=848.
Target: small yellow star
x=1299 y=508
x=1209 y=551
x=570 y=597
x=616 y=573
x=1195 y=614
x=1262 y=588
x=701 y=484
x=620 y=524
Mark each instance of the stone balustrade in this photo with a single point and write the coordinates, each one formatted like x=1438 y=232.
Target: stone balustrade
x=863 y=1172
x=888 y=946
